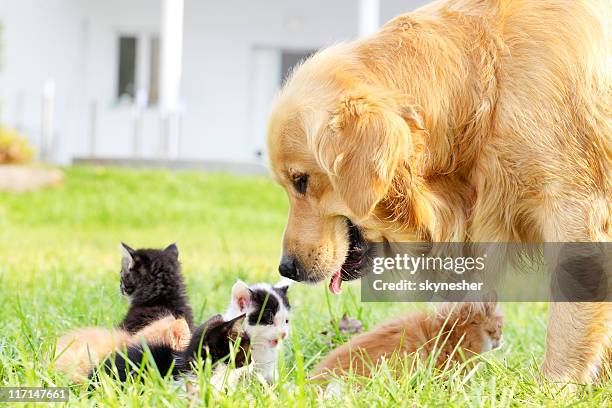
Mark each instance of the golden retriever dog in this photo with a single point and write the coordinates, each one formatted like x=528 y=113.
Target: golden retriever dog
x=464 y=121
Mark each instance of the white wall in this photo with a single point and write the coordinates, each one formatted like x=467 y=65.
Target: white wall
x=220 y=39
x=40 y=40
x=75 y=43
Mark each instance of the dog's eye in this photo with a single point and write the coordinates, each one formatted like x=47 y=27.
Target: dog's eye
x=300 y=182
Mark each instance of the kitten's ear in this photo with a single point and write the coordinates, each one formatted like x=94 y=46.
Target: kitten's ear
x=241 y=295
x=490 y=300
x=127 y=255
x=234 y=325
x=226 y=330
x=490 y=297
x=282 y=289
x=126 y=250
x=172 y=249
x=284 y=284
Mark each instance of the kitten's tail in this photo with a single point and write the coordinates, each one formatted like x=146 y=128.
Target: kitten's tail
x=78 y=351
x=81 y=350
x=166 y=339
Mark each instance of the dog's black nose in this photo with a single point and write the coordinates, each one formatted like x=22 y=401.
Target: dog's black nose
x=289 y=268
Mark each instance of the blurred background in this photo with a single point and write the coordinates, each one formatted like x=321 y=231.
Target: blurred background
x=173 y=82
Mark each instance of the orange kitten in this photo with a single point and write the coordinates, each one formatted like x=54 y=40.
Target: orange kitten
x=78 y=351
x=471 y=328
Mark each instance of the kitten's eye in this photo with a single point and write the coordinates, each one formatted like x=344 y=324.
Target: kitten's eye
x=300 y=183
x=286 y=321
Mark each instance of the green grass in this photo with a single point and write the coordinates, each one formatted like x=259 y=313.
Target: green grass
x=59 y=269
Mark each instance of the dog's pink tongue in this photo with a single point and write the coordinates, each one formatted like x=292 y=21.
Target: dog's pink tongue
x=335 y=284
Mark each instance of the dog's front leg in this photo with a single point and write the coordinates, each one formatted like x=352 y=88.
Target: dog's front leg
x=578 y=338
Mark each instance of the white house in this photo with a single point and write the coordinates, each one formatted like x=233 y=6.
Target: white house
x=184 y=79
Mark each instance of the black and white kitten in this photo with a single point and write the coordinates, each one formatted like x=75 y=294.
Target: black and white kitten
x=153 y=283
x=266 y=325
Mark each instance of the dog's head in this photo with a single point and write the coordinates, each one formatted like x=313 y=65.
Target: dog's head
x=335 y=144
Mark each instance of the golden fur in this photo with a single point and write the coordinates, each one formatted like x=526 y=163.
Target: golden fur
x=453 y=334
x=79 y=351
x=466 y=120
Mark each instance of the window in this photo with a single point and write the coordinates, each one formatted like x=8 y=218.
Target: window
x=138 y=70
x=289 y=59
x=126 y=84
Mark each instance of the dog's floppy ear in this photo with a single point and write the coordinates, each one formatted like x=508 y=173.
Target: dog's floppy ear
x=370 y=136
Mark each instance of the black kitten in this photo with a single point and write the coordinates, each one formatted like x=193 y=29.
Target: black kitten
x=213 y=339
x=153 y=283
x=166 y=360
x=210 y=340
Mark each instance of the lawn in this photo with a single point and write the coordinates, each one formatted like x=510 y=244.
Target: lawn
x=59 y=269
